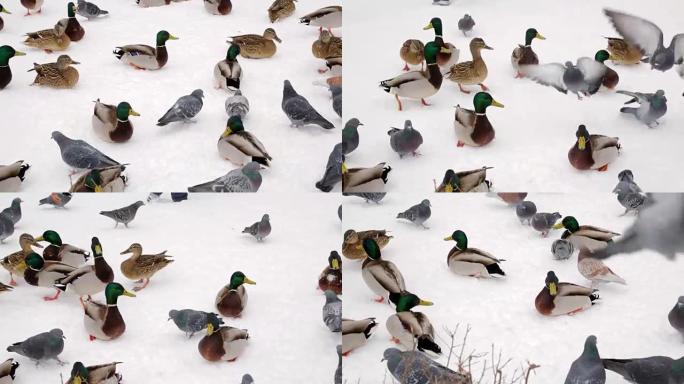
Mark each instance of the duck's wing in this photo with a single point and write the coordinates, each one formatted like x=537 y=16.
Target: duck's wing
x=138 y=50
x=465 y=117
x=387 y=275
x=678 y=46
x=636 y=31
x=95 y=310
x=569 y=289
x=600 y=141
x=403 y=79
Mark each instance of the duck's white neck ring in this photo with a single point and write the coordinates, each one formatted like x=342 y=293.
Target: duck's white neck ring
x=440 y=36
x=479 y=114
x=4 y=66
x=432 y=64
x=528 y=45
x=33 y=269
x=161 y=46
x=122 y=121
x=111 y=305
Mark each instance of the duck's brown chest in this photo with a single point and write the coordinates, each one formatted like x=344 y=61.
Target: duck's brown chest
x=114 y=325
x=74 y=29
x=211 y=347
x=122 y=132
x=5 y=76
x=579 y=159
x=483 y=133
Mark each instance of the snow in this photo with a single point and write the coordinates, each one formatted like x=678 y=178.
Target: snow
x=629 y=321
x=537 y=127
x=283 y=315
x=176 y=156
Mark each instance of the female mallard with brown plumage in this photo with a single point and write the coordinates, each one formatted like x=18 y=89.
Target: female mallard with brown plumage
x=381 y=276
x=6 y=53
x=94 y=374
x=14 y=262
x=585 y=236
x=141 y=56
x=89 y=279
x=412 y=330
x=593 y=151
x=49 y=40
x=470 y=72
x=563 y=298
x=281 y=9
x=232 y=298
x=111 y=123
x=222 y=343
x=327 y=46
x=622 y=52
x=62 y=252
x=255 y=46
x=239 y=146
x=523 y=54
x=467 y=261
x=331 y=277
x=104 y=321
x=472 y=126
x=352 y=245
x=60 y=75
x=227 y=72
x=142 y=267
x=447 y=56
x=41 y=273
x=412 y=53
x=371 y=179
x=218 y=7
x=465 y=181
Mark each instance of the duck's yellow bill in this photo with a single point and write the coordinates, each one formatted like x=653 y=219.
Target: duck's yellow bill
x=425 y=303
x=344 y=168
x=19 y=53
x=448 y=238
x=581 y=143
x=497 y=104
x=172 y=37
x=128 y=293
x=6 y=11
x=429 y=26
x=558 y=226
x=210 y=329
x=40 y=238
x=98 y=249
x=540 y=37
x=335 y=264
x=249 y=281
x=98 y=188
x=132 y=112
x=444 y=50
x=21 y=267
x=227 y=132
x=553 y=289
x=76 y=380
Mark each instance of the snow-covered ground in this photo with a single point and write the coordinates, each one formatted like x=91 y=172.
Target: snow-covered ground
x=283 y=315
x=176 y=156
x=629 y=321
x=537 y=127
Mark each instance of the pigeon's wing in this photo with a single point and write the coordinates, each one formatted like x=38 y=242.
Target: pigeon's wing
x=592 y=70
x=636 y=31
x=547 y=74
x=235 y=181
x=678 y=46
x=190 y=105
x=87 y=156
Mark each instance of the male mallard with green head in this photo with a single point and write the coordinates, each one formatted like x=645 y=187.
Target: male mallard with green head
x=474 y=180
x=222 y=343
x=472 y=126
x=61 y=252
x=523 y=54
x=110 y=179
x=104 y=321
x=239 y=146
x=227 y=72
x=94 y=374
x=563 y=298
x=110 y=122
x=141 y=56
x=447 y=56
x=585 y=236
x=467 y=261
x=41 y=273
x=381 y=276
x=412 y=330
x=232 y=298
x=593 y=151
x=331 y=276
x=89 y=279
x=6 y=53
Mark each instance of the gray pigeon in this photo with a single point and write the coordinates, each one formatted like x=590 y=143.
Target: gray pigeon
x=56 y=199
x=338 y=371
x=333 y=170
x=648 y=370
x=418 y=213
x=525 y=211
x=90 y=10
x=6 y=227
x=588 y=368
x=337 y=99
x=415 y=367
x=123 y=215
x=405 y=141
x=237 y=105
x=80 y=155
x=191 y=321
x=543 y=221
x=13 y=212
x=247 y=379
x=299 y=111
x=260 y=229
x=332 y=311
x=245 y=179
x=652 y=106
x=581 y=79
x=627 y=177
x=676 y=316
x=350 y=135
x=44 y=346
x=375 y=197
x=8 y=371
x=631 y=201
x=185 y=109
x=466 y=24
x=562 y=249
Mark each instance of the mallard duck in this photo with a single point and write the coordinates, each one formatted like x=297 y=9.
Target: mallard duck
x=13 y=263
x=104 y=321
x=417 y=84
x=622 y=52
x=94 y=374
x=381 y=276
x=89 y=279
x=12 y=175
x=227 y=72
x=232 y=298
x=467 y=261
x=41 y=273
x=3 y=10
x=60 y=252
x=472 y=126
x=73 y=27
x=563 y=298
x=594 y=270
x=470 y=72
x=412 y=53
x=585 y=236
x=142 y=56
x=218 y=7
x=6 y=53
x=58 y=75
x=326 y=17
x=326 y=46
x=412 y=330
x=110 y=179
x=32 y=5
x=352 y=245
x=239 y=146
x=593 y=151
x=371 y=179
x=331 y=277
x=8 y=371
x=142 y=267
x=523 y=54
x=512 y=198
x=281 y=9
x=255 y=46
x=222 y=342
x=355 y=333
x=111 y=122
x=465 y=181
x=49 y=40
x=449 y=54
x=610 y=77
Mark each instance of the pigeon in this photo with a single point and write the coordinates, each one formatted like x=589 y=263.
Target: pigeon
x=8 y=371
x=649 y=38
x=631 y=201
x=466 y=24
x=123 y=215
x=588 y=368
x=594 y=270
x=13 y=212
x=652 y=106
x=299 y=111
x=350 y=135
x=338 y=371
x=543 y=221
x=525 y=211
x=626 y=176
x=583 y=78
x=355 y=333
x=441 y=2
x=418 y=213
x=333 y=169
x=237 y=105
x=405 y=141
x=562 y=249
x=11 y=176
x=260 y=229
x=245 y=179
x=191 y=321
x=185 y=108
x=89 y=10
x=375 y=197
x=176 y=197
x=648 y=370
x=332 y=312
x=56 y=199
x=415 y=367
x=43 y=346
x=676 y=316
x=247 y=379
x=6 y=227
x=337 y=99
x=80 y=155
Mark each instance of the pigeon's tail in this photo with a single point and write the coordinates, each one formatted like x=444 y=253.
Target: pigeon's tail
x=44 y=201
x=168 y=117
x=16 y=347
x=103 y=12
x=323 y=186
x=617 y=366
x=323 y=123
x=403 y=215
x=495 y=269
x=628 y=110
x=118 y=52
x=425 y=342
x=249 y=230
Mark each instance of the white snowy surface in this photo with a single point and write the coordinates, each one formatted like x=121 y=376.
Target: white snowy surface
x=283 y=315
x=537 y=127
x=176 y=156
x=629 y=321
